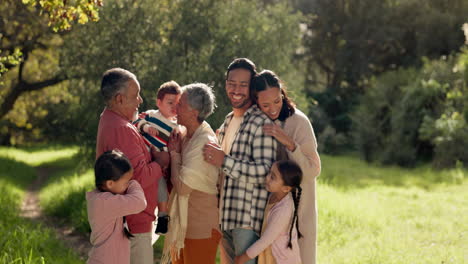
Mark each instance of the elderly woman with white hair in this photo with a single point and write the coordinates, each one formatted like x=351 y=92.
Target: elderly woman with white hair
x=194 y=227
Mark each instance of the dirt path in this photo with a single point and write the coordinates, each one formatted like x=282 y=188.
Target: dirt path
x=31 y=209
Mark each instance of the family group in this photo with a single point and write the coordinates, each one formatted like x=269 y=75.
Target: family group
x=247 y=189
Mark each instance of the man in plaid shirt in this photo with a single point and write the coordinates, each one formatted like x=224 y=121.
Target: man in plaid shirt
x=245 y=156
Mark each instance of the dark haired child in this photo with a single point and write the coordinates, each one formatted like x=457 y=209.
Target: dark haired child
x=280 y=231
x=156 y=127
x=116 y=195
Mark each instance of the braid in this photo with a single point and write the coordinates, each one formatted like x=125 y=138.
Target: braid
x=291 y=174
x=294 y=218
x=296 y=195
x=296 y=208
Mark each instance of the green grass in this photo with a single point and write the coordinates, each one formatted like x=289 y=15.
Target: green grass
x=367 y=213
x=372 y=214
x=64 y=196
x=36 y=156
x=23 y=241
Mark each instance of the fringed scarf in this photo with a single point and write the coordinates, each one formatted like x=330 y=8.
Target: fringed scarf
x=196 y=174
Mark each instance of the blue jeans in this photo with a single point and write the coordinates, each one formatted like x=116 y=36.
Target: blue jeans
x=236 y=241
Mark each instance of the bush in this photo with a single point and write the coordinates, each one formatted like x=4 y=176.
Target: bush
x=410 y=115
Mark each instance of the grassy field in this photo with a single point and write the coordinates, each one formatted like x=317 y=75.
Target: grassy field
x=367 y=213
x=23 y=241
x=370 y=214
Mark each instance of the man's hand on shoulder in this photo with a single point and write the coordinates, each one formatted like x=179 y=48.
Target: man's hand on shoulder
x=213 y=154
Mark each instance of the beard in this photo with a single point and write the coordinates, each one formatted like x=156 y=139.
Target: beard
x=240 y=104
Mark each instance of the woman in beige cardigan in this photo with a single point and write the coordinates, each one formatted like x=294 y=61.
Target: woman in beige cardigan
x=294 y=131
x=193 y=234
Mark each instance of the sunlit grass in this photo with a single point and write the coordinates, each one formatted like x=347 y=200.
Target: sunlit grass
x=349 y=172
x=64 y=197
x=35 y=156
x=372 y=214
x=367 y=213
x=23 y=241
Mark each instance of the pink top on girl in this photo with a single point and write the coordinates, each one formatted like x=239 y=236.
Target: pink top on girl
x=276 y=234
x=105 y=215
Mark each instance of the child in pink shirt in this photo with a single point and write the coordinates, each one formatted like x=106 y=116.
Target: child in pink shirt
x=278 y=242
x=116 y=195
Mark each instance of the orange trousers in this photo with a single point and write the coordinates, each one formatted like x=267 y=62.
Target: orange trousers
x=199 y=251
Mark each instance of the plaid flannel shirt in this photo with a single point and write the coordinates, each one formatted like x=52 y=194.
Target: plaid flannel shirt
x=246 y=167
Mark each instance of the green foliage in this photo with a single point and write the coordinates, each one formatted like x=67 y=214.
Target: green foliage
x=25 y=32
x=62 y=13
x=448 y=132
x=177 y=40
x=330 y=142
x=12 y=59
x=347 y=42
x=28 y=52
x=407 y=114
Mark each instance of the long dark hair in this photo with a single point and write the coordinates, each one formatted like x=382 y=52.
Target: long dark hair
x=268 y=79
x=291 y=174
x=111 y=166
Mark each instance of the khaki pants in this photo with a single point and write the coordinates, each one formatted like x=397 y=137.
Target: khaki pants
x=141 y=249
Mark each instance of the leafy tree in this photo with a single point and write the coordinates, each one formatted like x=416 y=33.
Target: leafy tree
x=185 y=41
x=61 y=13
x=347 y=42
x=24 y=30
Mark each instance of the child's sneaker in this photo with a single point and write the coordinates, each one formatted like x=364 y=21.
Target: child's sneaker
x=161 y=228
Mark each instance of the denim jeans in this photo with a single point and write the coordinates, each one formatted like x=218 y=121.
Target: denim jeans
x=236 y=241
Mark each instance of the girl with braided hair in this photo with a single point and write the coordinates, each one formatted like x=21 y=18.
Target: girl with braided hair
x=294 y=132
x=278 y=243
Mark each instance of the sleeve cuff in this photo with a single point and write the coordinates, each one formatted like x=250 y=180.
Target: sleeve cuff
x=228 y=164
x=296 y=150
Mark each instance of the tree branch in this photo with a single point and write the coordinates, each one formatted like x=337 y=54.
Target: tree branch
x=22 y=87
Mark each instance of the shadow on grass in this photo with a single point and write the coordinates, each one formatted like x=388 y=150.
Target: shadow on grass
x=18 y=173
x=72 y=209
x=349 y=173
x=64 y=168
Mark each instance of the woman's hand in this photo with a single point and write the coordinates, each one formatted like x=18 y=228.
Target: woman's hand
x=278 y=133
x=213 y=154
x=175 y=142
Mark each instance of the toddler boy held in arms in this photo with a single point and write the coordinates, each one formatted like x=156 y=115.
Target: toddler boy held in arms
x=156 y=127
